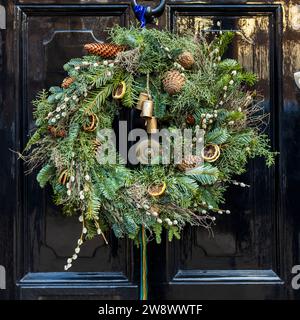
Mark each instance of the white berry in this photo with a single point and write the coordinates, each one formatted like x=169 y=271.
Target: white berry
x=74 y=257
x=84 y=230
x=80 y=218
x=77 y=68
x=87 y=177
x=159 y=221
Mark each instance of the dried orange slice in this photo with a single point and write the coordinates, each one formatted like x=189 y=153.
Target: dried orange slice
x=211 y=152
x=93 y=123
x=120 y=91
x=63 y=177
x=156 y=190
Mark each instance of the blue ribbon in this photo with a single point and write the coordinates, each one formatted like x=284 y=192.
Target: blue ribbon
x=140 y=12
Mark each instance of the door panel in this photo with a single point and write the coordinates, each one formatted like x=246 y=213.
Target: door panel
x=49 y=36
x=245 y=245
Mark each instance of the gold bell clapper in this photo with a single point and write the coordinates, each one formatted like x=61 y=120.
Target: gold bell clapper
x=142 y=98
x=152 y=125
x=147 y=109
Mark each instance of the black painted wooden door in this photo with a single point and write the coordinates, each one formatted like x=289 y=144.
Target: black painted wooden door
x=253 y=249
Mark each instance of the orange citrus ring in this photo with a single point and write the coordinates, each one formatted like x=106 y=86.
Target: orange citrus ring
x=157 y=190
x=122 y=88
x=216 y=154
x=94 y=123
x=63 y=177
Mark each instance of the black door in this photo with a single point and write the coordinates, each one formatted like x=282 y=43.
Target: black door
x=253 y=250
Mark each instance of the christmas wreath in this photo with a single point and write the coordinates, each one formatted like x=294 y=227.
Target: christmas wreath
x=174 y=82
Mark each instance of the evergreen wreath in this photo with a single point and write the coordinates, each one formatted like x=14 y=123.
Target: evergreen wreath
x=190 y=86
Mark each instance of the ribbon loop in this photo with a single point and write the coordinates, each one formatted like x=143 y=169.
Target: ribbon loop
x=140 y=12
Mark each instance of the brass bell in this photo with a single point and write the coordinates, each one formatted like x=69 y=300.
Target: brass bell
x=143 y=97
x=152 y=125
x=147 y=109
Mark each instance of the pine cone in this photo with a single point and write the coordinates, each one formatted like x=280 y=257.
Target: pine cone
x=67 y=82
x=52 y=131
x=104 y=50
x=57 y=133
x=173 y=82
x=189 y=162
x=186 y=59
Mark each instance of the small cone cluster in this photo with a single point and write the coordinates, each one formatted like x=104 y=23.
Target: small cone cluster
x=186 y=59
x=173 y=82
x=67 y=82
x=56 y=133
x=189 y=162
x=104 y=50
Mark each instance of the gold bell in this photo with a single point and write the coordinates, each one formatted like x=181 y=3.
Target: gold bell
x=142 y=98
x=152 y=125
x=147 y=109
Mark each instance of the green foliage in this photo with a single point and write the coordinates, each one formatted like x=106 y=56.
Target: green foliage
x=45 y=175
x=217 y=136
x=173 y=232
x=157 y=229
x=204 y=174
